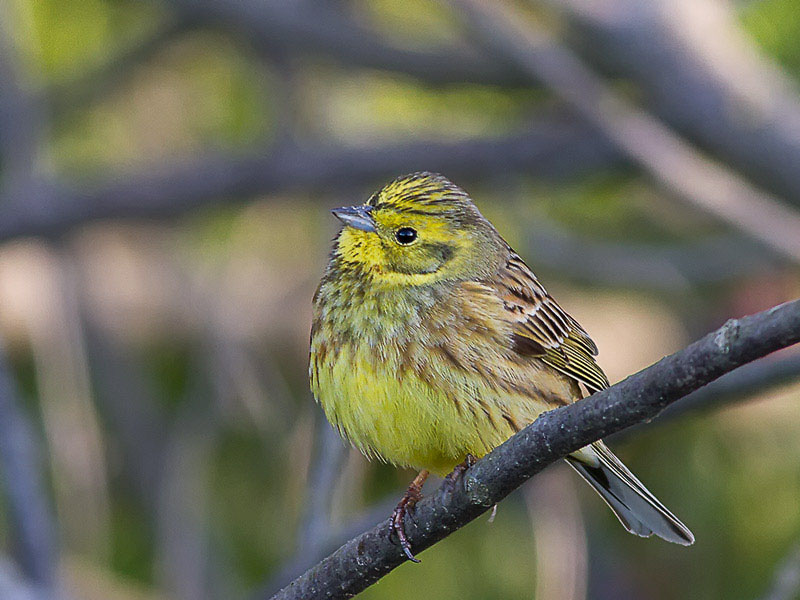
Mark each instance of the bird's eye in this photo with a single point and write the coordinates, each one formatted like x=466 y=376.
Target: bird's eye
x=405 y=235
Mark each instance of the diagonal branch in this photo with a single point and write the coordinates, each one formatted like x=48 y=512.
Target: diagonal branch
x=363 y=560
x=646 y=141
x=82 y=90
x=702 y=75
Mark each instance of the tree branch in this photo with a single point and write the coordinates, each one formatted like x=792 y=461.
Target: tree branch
x=758 y=377
x=552 y=148
x=675 y=267
x=322 y=29
x=703 y=75
x=368 y=557
x=85 y=89
x=648 y=143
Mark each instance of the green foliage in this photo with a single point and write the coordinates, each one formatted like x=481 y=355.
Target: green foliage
x=775 y=24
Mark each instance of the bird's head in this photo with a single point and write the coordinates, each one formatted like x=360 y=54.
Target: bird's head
x=418 y=229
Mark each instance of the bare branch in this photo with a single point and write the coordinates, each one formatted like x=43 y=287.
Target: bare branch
x=672 y=162
x=552 y=148
x=320 y=28
x=368 y=557
x=702 y=74
x=674 y=267
x=737 y=386
x=82 y=90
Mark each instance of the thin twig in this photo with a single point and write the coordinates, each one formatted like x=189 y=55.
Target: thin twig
x=363 y=560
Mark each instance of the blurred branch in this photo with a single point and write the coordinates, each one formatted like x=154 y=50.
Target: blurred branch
x=672 y=162
x=14 y=587
x=786 y=581
x=162 y=459
x=81 y=91
x=330 y=454
x=74 y=438
x=559 y=535
x=758 y=377
x=334 y=538
x=129 y=407
x=21 y=116
x=726 y=96
x=183 y=536
x=322 y=29
x=32 y=522
x=703 y=75
x=662 y=267
x=552 y=148
x=316 y=530
x=368 y=557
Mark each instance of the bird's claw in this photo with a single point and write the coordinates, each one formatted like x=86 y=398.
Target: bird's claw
x=410 y=498
x=451 y=479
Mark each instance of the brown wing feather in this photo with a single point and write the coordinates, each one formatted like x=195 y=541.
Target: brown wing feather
x=544 y=330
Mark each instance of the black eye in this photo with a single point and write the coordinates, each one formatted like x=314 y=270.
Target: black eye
x=405 y=235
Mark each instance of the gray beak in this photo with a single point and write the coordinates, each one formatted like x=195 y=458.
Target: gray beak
x=356 y=216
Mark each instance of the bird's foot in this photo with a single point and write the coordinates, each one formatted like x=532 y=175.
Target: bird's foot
x=410 y=498
x=451 y=479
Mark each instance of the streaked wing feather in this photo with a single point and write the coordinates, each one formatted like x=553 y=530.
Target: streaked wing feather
x=543 y=329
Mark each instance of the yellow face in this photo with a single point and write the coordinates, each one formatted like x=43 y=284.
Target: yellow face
x=419 y=229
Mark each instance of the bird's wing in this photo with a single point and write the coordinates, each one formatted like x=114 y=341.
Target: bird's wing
x=541 y=328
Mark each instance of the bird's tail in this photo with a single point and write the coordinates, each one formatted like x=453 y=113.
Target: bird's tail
x=637 y=509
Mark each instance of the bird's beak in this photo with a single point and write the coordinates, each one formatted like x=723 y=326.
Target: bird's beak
x=356 y=216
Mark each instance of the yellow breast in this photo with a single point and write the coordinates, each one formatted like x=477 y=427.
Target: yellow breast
x=429 y=418
x=422 y=382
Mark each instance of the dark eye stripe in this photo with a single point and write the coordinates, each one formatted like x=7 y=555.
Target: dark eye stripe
x=444 y=252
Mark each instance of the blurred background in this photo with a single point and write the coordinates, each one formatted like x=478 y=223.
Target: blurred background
x=166 y=172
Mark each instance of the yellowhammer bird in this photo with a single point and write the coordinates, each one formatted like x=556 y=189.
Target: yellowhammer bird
x=432 y=342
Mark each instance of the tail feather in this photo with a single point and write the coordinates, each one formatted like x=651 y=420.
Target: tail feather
x=638 y=510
